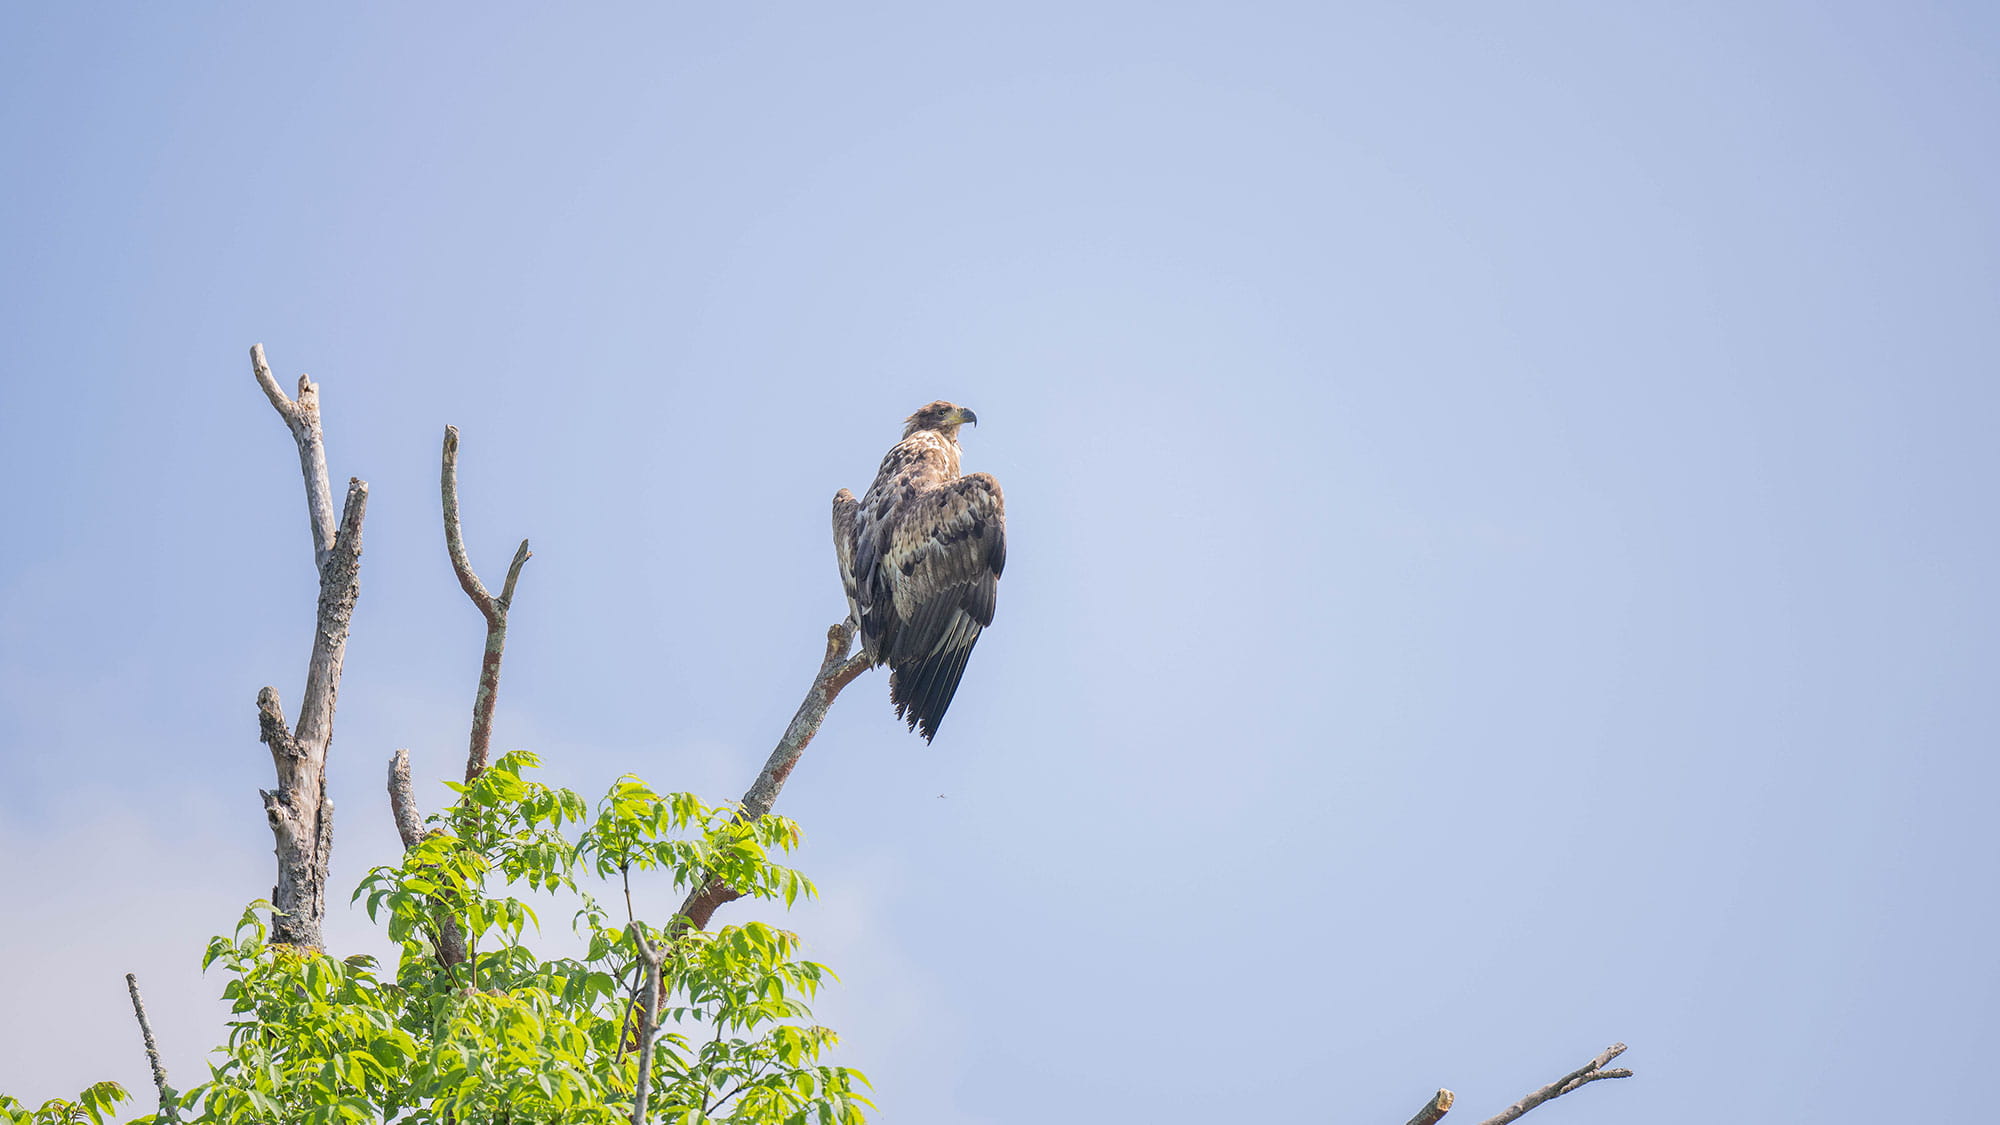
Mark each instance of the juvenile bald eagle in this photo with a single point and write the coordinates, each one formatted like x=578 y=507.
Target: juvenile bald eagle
x=920 y=557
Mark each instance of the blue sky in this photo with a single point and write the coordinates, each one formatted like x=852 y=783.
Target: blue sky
x=1499 y=506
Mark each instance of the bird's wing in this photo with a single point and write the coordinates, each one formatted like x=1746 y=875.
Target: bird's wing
x=938 y=575
x=945 y=550
x=844 y=508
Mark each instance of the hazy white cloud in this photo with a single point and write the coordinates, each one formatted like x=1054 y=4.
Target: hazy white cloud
x=895 y=1023
x=92 y=894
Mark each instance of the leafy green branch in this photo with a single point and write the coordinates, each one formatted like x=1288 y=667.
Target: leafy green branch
x=518 y=1037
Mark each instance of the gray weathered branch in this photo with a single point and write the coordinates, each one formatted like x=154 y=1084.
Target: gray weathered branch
x=445 y=931
x=492 y=608
x=1575 y=1079
x=302 y=416
x=152 y=1048
x=649 y=1020
x=300 y=814
x=449 y=936
x=1434 y=1110
x=339 y=587
x=403 y=802
x=836 y=671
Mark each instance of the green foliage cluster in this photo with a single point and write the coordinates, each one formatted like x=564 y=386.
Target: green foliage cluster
x=509 y=1036
x=89 y=1108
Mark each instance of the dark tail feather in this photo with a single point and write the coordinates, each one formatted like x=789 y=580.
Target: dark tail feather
x=922 y=689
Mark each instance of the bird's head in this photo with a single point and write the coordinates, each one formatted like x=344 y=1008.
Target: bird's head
x=941 y=416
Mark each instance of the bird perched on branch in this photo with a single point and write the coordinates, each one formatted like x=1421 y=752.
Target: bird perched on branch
x=920 y=557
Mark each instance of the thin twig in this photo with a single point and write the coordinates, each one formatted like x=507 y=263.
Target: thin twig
x=492 y=608
x=717 y=1103
x=1435 y=1109
x=836 y=670
x=152 y=1048
x=1575 y=1079
x=631 y=1005
x=521 y=556
x=625 y=874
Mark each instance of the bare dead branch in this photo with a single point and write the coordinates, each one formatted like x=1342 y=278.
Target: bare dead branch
x=152 y=1048
x=836 y=670
x=454 y=539
x=300 y=814
x=402 y=802
x=521 y=556
x=493 y=609
x=302 y=417
x=271 y=727
x=448 y=936
x=1435 y=1109
x=339 y=587
x=1575 y=1079
x=445 y=931
x=649 y=1020
x=286 y=408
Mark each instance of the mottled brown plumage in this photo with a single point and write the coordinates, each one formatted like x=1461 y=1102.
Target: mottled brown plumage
x=920 y=558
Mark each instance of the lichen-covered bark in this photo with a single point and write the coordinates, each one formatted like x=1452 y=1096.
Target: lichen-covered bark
x=836 y=671
x=152 y=1048
x=299 y=812
x=649 y=1020
x=1582 y=1076
x=493 y=609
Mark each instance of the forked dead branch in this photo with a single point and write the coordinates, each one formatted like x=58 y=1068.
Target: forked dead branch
x=492 y=608
x=1574 y=1080
x=1441 y=1102
x=402 y=801
x=300 y=814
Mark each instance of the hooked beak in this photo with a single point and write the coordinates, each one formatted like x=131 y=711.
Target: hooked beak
x=963 y=416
